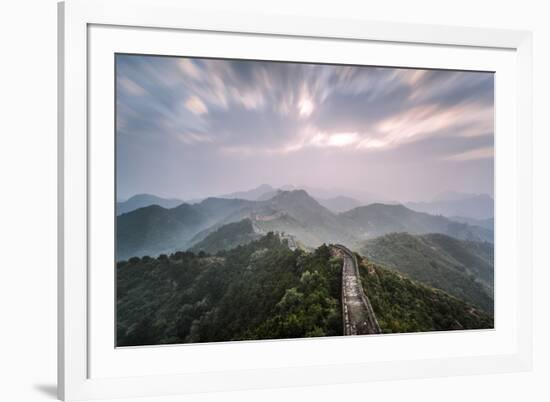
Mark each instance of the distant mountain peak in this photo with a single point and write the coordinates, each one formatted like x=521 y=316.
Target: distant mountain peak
x=387 y=206
x=378 y=206
x=145 y=196
x=298 y=191
x=457 y=196
x=264 y=187
x=251 y=195
x=476 y=206
x=138 y=196
x=144 y=200
x=298 y=195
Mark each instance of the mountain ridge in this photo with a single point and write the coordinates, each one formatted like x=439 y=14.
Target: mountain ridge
x=473 y=206
x=155 y=230
x=144 y=200
x=378 y=219
x=264 y=290
x=464 y=269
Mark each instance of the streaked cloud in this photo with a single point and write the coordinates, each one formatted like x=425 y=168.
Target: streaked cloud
x=188 y=67
x=473 y=154
x=196 y=105
x=131 y=87
x=193 y=138
x=234 y=111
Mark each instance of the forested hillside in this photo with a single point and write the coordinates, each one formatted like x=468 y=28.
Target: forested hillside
x=261 y=290
x=463 y=269
x=403 y=305
x=227 y=237
x=264 y=290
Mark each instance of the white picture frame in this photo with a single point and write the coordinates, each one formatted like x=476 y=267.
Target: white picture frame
x=79 y=379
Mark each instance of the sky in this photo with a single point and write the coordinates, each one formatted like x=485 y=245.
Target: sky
x=192 y=127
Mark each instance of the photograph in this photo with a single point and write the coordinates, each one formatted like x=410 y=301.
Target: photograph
x=263 y=200
x=275 y=201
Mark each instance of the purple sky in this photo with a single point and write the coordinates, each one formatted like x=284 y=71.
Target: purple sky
x=190 y=128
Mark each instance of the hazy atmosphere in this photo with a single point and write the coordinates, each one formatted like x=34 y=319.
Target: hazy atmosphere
x=192 y=128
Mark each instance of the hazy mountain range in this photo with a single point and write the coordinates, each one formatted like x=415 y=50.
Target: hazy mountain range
x=144 y=200
x=243 y=266
x=488 y=223
x=458 y=206
x=154 y=229
x=472 y=206
x=330 y=199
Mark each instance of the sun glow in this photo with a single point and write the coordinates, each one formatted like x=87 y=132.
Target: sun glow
x=306 y=107
x=342 y=139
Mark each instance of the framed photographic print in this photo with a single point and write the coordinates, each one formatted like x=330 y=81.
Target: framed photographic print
x=258 y=201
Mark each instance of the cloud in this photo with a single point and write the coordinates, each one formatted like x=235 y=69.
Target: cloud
x=432 y=119
x=239 y=109
x=188 y=67
x=192 y=138
x=474 y=154
x=270 y=105
x=196 y=105
x=338 y=139
x=131 y=87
